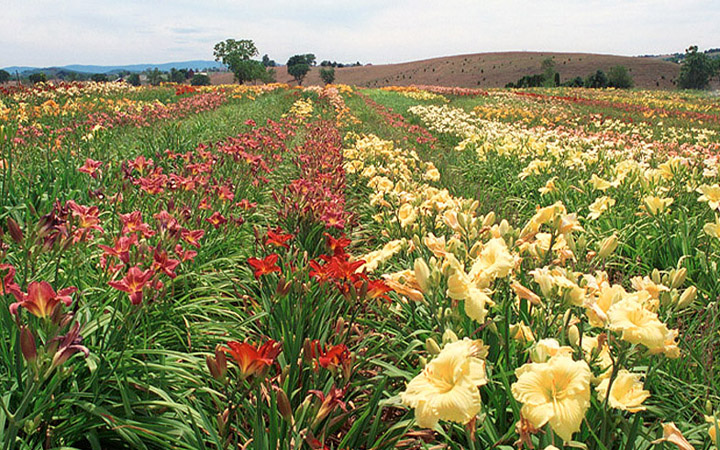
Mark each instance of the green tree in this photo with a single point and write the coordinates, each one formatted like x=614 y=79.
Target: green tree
x=548 y=69
x=154 y=76
x=236 y=56
x=327 y=75
x=697 y=70
x=134 y=79
x=38 y=77
x=299 y=65
x=99 y=78
x=4 y=76
x=596 y=80
x=177 y=76
x=200 y=79
x=619 y=77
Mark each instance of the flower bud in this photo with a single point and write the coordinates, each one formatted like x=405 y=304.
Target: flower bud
x=449 y=336
x=14 y=229
x=581 y=242
x=27 y=345
x=217 y=365
x=462 y=220
x=423 y=361
x=708 y=408
x=283 y=405
x=655 y=276
x=678 y=278
x=489 y=220
x=422 y=274
x=431 y=346
x=476 y=249
x=687 y=297
x=573 y=335
x=607 y=246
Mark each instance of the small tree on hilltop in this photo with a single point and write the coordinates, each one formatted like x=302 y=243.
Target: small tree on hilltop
x=4 y=76
x=597 y=80
x=697 y=69
x=619 y=77
x=236 y=56
x=38 y=77
x=327 y=75
x=548 y=68
x=299 y=65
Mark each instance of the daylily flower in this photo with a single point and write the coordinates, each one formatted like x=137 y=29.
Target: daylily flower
x=555 y=392
x=264 y=266
x=41 y=299
x=447 y=389
x=216 y=219
x=192 y=237
x=277 y=238
x=162 y=262
x=7 y=282
x=133 y=222
x=133 y=283
x=90 y=167
x=68 y=345
x=253 y=360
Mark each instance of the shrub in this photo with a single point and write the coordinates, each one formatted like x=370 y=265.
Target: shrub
x=200 y=79
x=697 y=69
x=619 y=77
x=4 y=76
x=99 y=78
x=134 y=79
x=38 y=77
x=327 y=75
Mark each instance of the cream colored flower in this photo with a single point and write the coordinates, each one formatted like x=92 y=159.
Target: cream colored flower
x=447 y=389
x=711 y=195
x=599 y=206
x=549 y=186
x=627 y=392
x=406 y=215
x=544 y=349
x=672 y=434
x=713 y=229
x=655 y=205
x=638 y=325
x=555 y=392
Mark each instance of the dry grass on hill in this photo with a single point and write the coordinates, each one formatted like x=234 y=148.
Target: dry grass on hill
x=486 y=70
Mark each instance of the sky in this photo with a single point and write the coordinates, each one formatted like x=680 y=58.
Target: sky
x=47 y=33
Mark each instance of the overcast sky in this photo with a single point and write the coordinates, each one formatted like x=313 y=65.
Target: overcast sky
x=59 y=32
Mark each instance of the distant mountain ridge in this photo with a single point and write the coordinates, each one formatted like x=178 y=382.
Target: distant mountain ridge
x=196 y=64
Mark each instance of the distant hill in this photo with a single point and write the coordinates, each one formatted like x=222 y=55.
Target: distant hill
x=198 y=64
x=487 y=70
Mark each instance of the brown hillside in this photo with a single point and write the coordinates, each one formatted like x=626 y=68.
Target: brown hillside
x=486 y=70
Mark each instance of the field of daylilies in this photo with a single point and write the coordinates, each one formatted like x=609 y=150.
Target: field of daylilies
x=274 y=267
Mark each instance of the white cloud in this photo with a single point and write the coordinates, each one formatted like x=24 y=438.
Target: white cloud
x=44 y=32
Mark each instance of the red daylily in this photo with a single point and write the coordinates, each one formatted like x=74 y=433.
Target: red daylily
x=41 y=299
x=90 y=167
x=192 y=237
x=87 y=215
x=378 y=289
x=133 y=283
x=163 y=263
x=121 y=250
x=224 y=193
x=250 y=359
x=216 y=220
x=329 y=402
x=141 y=163
x=338 y=245
x=264 y=266
x=342 y=269
x=7 y=283
x=68 y=345
x=246 y=204
x=328 y=357
x=278 y=239
x=133 y=222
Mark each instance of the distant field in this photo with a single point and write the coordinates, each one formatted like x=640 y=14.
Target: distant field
x=489 y=70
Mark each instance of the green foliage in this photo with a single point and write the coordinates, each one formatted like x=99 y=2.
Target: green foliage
x=548 y=72
x=619 y=77
x=575 y=82
x=134 y=79
x=597 y=80
x=697 y=69
x=267 y=62
x=178 y=76
x=4 y=76
x=236 y=56
x=200 y=79
x=99 y=78
x=327 y=75
x=38 y=77
x=299 y=65
x=154 y=76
